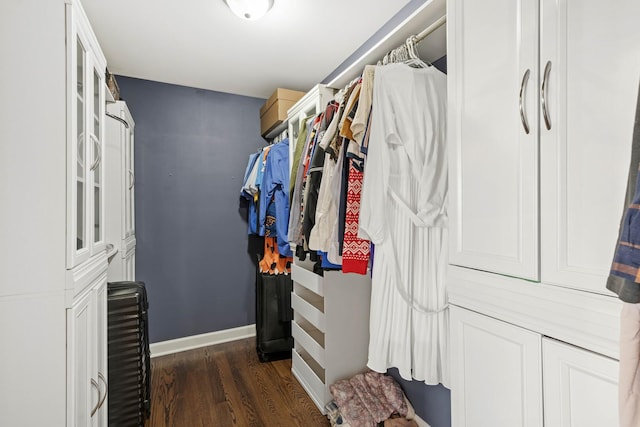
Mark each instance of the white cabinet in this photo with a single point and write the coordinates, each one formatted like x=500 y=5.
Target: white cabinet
x=492 y=53
x=312 y=103
x=523 y=81
x=505 y=375
x=326 y=351
x=584 y=156
x=580 y=387
x=542 y=97
x=87 y=358
x=120 y=197
x=130 y=265
x=86 y=283
x=85 y=139
x=496 y=372
x=51 y=224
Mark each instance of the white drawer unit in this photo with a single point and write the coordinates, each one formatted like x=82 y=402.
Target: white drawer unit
x=325 y=351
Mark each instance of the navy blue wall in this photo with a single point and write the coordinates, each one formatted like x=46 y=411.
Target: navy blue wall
x=191 y=152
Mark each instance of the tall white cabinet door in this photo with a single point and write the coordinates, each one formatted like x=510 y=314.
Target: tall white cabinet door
x=493 y=116
x=83 y=392
x=496 y=372
x=130 y=181
x=101 y=355
x=85 y=139
x=130 y=265
x=590 y=79
x=580 y=387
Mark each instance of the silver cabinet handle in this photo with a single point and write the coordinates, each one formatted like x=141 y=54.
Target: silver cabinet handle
x=106 y=389
x=523 y=86
x=97 y=387
x=98 y=156
x=132 y=179
x=543 y=93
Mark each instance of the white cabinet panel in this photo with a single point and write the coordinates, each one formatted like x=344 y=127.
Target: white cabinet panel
x=85 y=139
x=585 y=153
x=87 y=358
x=580 y=387
x=319 y=332
x=496 y=372
x=32 y=333
x=101 y=355
x=82 y=389
x=493 y=158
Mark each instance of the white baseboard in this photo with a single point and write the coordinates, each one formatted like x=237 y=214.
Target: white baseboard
x=420 y=421
x=196 y=341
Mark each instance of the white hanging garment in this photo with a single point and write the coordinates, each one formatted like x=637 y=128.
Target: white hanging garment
x=403 y=211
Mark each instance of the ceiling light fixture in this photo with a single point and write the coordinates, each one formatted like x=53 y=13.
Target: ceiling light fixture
x=250 y=10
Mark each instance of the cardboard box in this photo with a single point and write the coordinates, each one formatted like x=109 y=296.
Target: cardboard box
x=274 y=111
x=112 y=85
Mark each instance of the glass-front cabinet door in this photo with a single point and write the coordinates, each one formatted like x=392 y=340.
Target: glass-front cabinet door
x=131 y=184
x=85 y=117
x=97 y=168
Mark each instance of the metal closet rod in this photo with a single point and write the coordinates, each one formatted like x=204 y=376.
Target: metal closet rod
x=431 y=28
x=123 y=121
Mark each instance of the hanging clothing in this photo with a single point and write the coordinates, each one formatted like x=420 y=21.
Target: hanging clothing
x=249 y=190
x=300 y=143
x=624 y=280
x=315 y=174
x=355 y=254
x=321 y=235
x=403 y=212
x=300 y=192
x=275 y=185
x=296 y=197
x=272 y=262
x=361 y=117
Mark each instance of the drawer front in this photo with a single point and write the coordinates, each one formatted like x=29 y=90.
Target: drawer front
x=306 y=340
x=308 y=279
x=314 y=387
x=309 y=311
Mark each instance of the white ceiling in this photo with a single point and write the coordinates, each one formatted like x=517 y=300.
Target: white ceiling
x=200 y=43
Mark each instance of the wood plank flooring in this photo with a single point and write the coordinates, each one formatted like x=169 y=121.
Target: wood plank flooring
x=227 y=386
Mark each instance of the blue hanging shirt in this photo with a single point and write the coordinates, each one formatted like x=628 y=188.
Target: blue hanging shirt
x=275 y=184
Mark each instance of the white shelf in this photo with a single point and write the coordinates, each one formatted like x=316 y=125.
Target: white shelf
x=309 y=307
x=307 y=278
x=309 y=379
x=309 y=338
x=330 y=331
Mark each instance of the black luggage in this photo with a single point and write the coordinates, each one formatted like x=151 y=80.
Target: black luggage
x=129 y=358
x=273 y=316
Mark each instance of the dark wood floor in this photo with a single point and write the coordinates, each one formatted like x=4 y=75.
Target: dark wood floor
x=226 y=385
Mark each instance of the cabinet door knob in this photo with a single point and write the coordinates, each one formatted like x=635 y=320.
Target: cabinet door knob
x=523 y=115
x=106 y=389
x=543 y=93
x=97 y=387
x=132 y=179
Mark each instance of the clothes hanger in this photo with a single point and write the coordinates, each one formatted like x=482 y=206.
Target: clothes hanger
x=414 y=60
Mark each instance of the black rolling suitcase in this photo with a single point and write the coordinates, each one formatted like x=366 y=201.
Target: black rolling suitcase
x=273 y=316
x=129 y=358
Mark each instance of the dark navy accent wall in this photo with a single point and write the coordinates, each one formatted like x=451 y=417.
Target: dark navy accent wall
x=191 y=152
